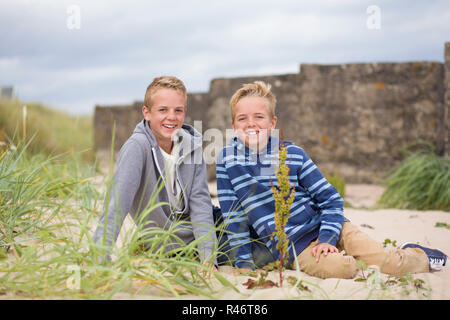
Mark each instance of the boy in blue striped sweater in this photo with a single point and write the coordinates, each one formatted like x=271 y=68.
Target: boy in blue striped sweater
x=326 y=243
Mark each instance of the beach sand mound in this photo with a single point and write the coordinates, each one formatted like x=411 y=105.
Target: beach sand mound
x=398 y=226
x=393 y=224
x=428 y=228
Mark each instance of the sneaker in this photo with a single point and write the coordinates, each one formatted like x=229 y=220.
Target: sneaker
x=437 y=259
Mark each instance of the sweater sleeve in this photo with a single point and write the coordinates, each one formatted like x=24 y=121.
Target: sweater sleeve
x=119 y=198
x=201 y=212
x=327 y=199
x=235 y=220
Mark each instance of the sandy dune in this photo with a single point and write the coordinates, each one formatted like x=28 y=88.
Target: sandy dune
x=396 y=225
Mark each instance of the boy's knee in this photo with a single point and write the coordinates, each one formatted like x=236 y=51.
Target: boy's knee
x=334 y=265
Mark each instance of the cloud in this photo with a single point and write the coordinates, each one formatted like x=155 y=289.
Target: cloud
x=8 y=63
x=121 y=45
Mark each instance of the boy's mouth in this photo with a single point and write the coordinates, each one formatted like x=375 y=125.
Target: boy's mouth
x=251 y=132
x=169 y=126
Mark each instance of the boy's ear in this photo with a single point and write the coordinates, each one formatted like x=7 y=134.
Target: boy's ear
x=146 y=113
x=274 y=122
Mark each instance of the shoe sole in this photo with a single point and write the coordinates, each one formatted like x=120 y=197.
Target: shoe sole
x=406 y=243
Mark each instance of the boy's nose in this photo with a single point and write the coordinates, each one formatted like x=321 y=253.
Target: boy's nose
x=171 y=114
x=251 y=124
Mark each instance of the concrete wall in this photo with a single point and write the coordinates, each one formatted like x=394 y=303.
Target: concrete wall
x=125 y=119
x=356 y=119
x=444 y=130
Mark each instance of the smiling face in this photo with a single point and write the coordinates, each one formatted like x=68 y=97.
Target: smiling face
x=252 y=121
x=165 y=115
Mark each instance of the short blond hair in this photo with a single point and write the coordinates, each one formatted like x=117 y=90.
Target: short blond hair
x=255 y=89
x=167 y=82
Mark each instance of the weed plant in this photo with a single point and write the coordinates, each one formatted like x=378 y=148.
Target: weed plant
x=283 y=196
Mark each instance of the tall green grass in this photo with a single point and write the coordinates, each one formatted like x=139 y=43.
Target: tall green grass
x=49 y=208
x=36 y=194
x=421 y=182
x=336 y=181
x=56 y=132
x=50 y=205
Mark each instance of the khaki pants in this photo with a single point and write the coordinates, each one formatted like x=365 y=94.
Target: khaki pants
x=356 y=245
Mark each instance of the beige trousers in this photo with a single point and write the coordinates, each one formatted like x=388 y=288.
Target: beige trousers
x=356 y=245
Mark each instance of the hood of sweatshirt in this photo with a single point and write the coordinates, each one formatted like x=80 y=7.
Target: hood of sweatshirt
x=188 y=136
x=134 y=193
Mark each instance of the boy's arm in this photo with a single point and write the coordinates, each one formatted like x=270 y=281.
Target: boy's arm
x=201 y=211
x=235 y=220
x=326 y=197
x=122 y=190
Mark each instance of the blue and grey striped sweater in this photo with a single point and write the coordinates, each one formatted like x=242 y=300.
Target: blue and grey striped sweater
x=244 y=180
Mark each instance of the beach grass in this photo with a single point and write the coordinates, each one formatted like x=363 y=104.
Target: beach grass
x=56 y=132
x=49 y=211
x=50 y=203
x=50 y=208
x=421 y=182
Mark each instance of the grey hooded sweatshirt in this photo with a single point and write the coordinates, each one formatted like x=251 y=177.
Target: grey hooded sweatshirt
x=138 y=176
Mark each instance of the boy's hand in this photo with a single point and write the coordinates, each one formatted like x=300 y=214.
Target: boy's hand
x=208 y=265
x=323 y=247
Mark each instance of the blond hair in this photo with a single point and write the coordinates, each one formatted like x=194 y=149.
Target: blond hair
x=167 y=82
x=255 y=89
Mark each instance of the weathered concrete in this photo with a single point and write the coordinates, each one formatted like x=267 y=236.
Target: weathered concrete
x=443 y=144
x=125 y=119
x=356 y=119
x=197 y=104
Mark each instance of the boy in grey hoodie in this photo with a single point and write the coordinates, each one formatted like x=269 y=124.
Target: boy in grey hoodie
x=166 y=155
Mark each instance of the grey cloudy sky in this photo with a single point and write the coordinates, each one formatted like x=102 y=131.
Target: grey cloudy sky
x=122 y=45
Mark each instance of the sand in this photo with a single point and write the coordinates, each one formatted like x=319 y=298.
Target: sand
x=393 y=224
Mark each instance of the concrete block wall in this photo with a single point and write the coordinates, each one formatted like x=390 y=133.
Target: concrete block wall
x=356 y=119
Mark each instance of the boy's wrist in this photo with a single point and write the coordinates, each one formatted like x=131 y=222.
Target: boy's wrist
x=328 y=237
